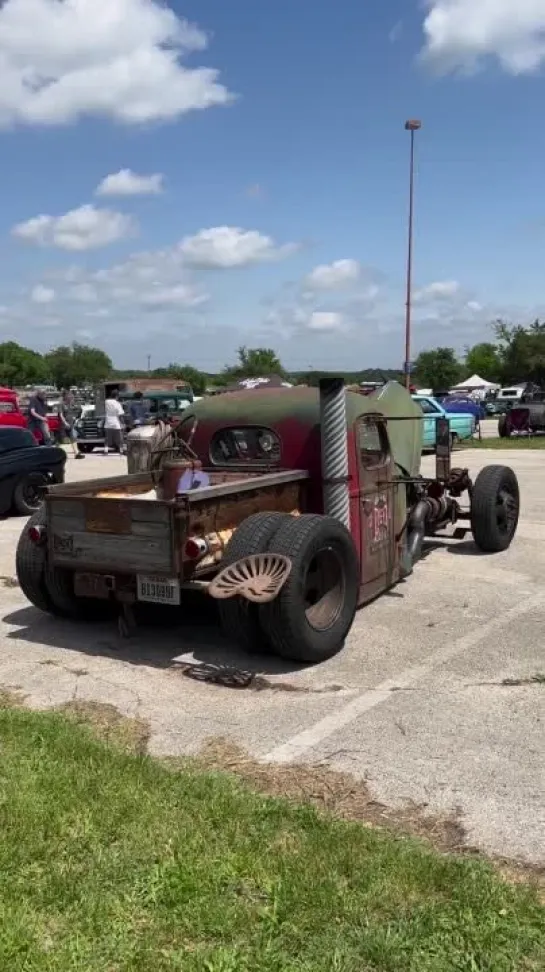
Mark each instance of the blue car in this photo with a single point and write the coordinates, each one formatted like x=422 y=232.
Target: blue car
x=453 y=404
x=462 y=424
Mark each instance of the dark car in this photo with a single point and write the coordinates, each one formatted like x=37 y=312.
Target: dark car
x=26 y=469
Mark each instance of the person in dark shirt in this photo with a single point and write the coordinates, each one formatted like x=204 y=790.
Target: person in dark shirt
x=137 y=410
x=37 y=417
x=68 y=414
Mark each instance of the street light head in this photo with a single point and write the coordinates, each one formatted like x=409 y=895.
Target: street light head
x=413 y=125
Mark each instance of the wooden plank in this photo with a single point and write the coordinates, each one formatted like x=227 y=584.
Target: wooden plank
x=127 y=554
x=243 y=485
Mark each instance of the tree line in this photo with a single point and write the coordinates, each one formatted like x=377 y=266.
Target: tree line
x=516 y=354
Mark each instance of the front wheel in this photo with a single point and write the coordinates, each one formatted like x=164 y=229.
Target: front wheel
x=313 y=613
x=29 y=493
x=495 y=507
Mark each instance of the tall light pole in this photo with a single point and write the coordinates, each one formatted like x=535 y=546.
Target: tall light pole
x=412 y=126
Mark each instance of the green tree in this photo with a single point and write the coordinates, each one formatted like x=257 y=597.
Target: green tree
x=438 y=368
x=20 y=366
x=197 y=379
x=254 y=363
x=484 y=360
x=522 y=352
x=78 y=364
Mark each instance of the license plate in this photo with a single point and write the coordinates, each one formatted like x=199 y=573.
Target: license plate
x=158 y=590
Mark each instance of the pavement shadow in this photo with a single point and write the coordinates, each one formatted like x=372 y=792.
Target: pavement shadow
x=162 y=639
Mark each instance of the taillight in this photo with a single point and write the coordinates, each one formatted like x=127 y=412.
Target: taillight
x=195 y=548
x=37 y=535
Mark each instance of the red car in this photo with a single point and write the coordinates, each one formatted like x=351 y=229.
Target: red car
x=11 y=414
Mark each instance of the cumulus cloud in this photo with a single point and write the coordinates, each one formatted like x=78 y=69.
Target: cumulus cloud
x=42 y=295
x=129 y=183
x=117 y=59
x=85 y=228
x=330 y=276
x=439 y=290
x=325 y=321
x=461 y=33
x=226 y=247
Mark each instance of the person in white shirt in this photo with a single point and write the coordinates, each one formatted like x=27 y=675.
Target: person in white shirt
x=114 y=422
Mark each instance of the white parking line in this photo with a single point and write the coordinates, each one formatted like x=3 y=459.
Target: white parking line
x=299 y=744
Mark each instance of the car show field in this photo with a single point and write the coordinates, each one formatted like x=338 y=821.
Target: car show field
x=435 y=704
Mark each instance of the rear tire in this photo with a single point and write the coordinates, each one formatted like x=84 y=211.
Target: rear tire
x=495 y=505
x=84 y=447
x=49 y=589
x=240 y=620
x=30 y=565
x=312 y=615
x=504 y=430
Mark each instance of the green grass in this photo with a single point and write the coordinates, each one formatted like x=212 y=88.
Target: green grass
x=111 y=862
x=533 y=442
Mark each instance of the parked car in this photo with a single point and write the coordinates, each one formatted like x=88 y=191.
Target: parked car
x=455 y=403
x=462 y=424
x=26 y=469
x=90 y=430
x=10 y=413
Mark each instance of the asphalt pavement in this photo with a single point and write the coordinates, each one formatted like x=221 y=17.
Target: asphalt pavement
x=437 y=701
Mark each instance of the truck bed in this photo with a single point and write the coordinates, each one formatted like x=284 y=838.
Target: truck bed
x=126 y=533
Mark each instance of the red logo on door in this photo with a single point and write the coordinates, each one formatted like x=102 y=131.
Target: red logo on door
x=378 y=521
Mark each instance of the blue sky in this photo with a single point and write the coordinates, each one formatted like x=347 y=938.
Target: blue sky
x=265 y=200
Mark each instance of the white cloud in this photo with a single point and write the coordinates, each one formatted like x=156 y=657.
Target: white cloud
x=42 y=295
x=85 y=228
x=129 y=183
x=325 y=321
x=179 y=295
x=461 y=33
x=226 y=247
x=330 y=276
x=440 y=290
x=119 y=59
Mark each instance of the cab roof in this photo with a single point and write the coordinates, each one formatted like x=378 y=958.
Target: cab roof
x=267 y=406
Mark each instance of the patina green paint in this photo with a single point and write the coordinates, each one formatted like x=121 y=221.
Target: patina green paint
x=269 y=406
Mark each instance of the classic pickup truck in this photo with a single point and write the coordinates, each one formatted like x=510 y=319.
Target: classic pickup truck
x=290 y=507
x=462 y=424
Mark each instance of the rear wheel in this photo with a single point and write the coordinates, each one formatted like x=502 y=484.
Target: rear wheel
x=504 y=429
x=239 y=618
x=314 y=611
x=49 y=589
x=84 y=447
x=495 y=505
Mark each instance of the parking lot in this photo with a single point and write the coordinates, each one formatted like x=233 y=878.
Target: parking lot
x=437 y=701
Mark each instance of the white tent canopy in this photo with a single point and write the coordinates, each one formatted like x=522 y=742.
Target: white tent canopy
x=474 y=383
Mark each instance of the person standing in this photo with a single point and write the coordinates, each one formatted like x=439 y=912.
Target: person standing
x=37 y=417
x=114 y=423
x=137 y=410
x=67 y=416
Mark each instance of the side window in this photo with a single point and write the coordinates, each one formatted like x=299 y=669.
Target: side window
x=7 y=407
x=427 y=407
x=372 y=442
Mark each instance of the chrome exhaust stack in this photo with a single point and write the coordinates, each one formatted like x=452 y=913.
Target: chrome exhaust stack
x=334 y=447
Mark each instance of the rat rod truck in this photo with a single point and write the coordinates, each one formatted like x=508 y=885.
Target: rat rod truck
x=291 y=507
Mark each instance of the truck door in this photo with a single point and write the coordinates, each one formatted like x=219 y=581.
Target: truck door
x=377 y=504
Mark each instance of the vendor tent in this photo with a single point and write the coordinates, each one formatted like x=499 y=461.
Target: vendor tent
x=475 y=383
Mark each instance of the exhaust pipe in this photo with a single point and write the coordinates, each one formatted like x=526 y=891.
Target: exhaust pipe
x=334 y=443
